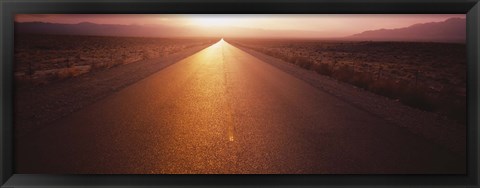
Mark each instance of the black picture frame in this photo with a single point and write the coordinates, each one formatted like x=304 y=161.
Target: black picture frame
x=9 y=8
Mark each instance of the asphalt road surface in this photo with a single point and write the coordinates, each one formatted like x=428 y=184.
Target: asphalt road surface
x=222 y=110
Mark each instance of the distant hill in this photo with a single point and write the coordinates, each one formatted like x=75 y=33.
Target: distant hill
x=450 y=30
x=87 y=28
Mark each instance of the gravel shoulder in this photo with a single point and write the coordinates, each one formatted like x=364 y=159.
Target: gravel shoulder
x=431 y=126
x=36 y=106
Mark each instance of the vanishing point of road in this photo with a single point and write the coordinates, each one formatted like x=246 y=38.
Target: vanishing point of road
x=220 y=111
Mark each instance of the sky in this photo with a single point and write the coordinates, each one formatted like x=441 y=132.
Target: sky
x=328 y=25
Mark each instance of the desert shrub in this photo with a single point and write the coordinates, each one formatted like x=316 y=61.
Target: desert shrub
x=63 y=74
x=67 y=73
x=323 y=68
x=106 y=64
x=362 y=80
x=99 y=65
x=291 y=59
x=299 y=61
x=383 y=87
x=303 y=62
x=416 y=97
x=283 y=56
x=344 y=73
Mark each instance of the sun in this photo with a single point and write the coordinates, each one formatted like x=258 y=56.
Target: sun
x=211 y=21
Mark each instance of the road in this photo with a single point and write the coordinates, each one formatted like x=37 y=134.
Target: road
x=222 y=110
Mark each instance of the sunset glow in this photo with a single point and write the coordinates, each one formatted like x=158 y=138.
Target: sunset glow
x=230 y=25
x=211 y=21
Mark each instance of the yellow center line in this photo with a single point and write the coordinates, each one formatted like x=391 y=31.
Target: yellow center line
x=229 y=118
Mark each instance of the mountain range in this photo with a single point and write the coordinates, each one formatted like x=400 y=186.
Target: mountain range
x=450 y=30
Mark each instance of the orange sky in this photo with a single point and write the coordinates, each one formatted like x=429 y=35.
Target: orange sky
x=328 y=25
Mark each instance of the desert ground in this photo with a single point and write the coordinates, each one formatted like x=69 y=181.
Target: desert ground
x=41 y=59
